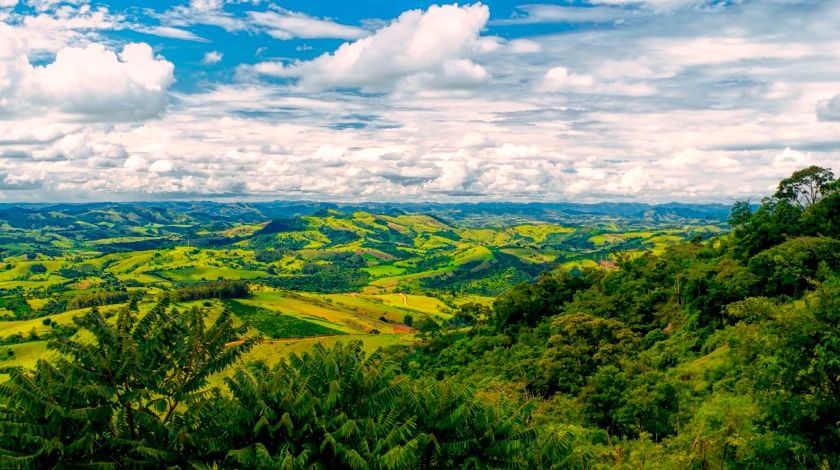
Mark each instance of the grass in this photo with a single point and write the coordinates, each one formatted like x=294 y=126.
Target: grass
x=532 y=255
x=272 y=352
x=210 y=273
x=9 y=328
x=276 y=325
x=384 y=271
x=607 y=238
x=420 y=303
x=580 y=263
x=539 y=232
x=26 y=355
x=313 y=309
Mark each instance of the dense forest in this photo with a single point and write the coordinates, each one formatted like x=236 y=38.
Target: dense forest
x=718 y=353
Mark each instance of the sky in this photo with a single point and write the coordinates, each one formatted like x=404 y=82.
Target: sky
x=394 y=100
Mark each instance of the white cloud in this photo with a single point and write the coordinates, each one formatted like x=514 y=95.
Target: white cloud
x=709 y=103
x=97 y=84
x=169 y=32
x=205 y=5
x=829 y=110
x=161 y=166
x=659 y=5
x=285 y=24
x=212 y=57
x=428 y=49
x=543 y=13
x=136 y=163
x=560 y=79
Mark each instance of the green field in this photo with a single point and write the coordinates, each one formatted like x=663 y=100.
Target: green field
x=352 y=273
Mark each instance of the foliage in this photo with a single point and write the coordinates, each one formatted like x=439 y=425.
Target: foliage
x=119 y=400
x=212 y=290
x=276 y=325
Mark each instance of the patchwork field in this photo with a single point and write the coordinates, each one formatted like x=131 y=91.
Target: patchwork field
x=325 y=273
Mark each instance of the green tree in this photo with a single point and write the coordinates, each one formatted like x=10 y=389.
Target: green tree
x=805 y=187
x=120 y=398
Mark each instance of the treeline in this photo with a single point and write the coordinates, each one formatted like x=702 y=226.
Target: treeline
x=137 y=396
x=100 y=299
x=323 y=278
x=212 y=290
x=719 y=354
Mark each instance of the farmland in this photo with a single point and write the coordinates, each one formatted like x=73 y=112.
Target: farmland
x=313 y=270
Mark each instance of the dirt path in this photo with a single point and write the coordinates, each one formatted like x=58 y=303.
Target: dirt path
x=405 y=300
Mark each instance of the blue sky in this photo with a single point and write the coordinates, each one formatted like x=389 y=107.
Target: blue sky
x=603 y=100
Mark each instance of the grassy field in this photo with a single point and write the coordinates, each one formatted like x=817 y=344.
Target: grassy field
x=369 y=270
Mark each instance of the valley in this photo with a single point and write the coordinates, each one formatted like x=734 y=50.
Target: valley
x=315 y=270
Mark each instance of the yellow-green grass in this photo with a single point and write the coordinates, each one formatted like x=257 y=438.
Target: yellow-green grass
x=368 y=219
x=314 y=310
x=607 y=238
x=22 y=269
x=131 y=262
x=109 y=241
x=26 y=355
x=37 y=303
x=532 y=255
x=487 y=236
x=384 y=271
x=420 y=303
x=389 y=283
x=638 y=234
x=368 y=304
x=272 y=352
x=695 y=371
x=471 y=253
x=668 y=239
x=581 y=263
x=10 y=328
x=210 y=273
x=479 y=299
x=142 y=278
x=539 y=232
x=425 y=241
x=34 y=282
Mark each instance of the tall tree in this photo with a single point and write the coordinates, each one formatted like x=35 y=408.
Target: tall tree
x=805 y=187
x=117 y=397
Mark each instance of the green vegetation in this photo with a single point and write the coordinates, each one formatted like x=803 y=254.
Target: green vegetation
x=488 y=340
x=721 y=354
x=276 y=325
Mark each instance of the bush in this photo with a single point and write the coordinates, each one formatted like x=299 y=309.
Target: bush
x=37 y=268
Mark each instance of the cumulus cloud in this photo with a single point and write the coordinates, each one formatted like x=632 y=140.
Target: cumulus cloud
x=162 y=166
x=560 y=79
x=212 y=57
x=429 y=48
x=91 y=83
x=829 y=110
x=710 y=103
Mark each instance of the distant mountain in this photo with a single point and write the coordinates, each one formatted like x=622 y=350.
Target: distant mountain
x=119 y=216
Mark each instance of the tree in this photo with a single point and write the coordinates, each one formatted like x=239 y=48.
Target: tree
x=37 y=268
x=124 y=398
x=740 y=214
x=805 y=187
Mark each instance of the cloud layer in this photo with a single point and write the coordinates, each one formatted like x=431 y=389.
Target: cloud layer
x=653 y=100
